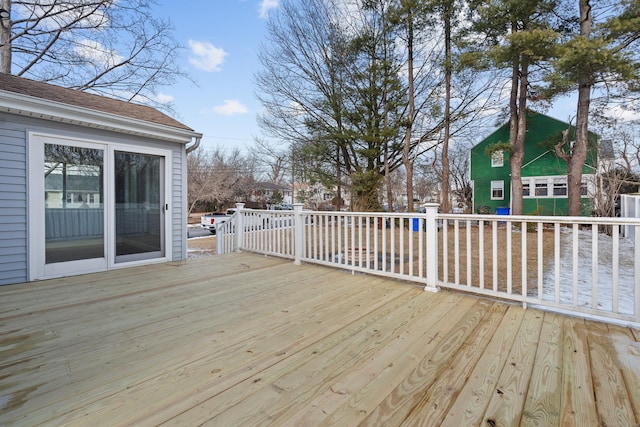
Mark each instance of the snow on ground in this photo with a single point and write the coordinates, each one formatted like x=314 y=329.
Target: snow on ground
x=605 y=272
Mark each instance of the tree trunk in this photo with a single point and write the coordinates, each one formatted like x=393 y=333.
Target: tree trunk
x=580 y=146
x=445 y=203
x=516 y=155
x=5 y=39
x=406 y=152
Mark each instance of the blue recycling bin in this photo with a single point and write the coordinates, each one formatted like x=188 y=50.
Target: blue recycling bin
x=415 y=224
x=503 y=211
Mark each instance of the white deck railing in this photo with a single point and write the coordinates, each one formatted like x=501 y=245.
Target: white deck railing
x=579 y=265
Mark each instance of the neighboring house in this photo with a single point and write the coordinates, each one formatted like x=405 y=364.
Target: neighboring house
x=87 y=183
x=318 y=197
x=544 y=174
x=266 y=190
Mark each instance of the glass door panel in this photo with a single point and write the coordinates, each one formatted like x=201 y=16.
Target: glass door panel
x=139 y=206
x=74 y=208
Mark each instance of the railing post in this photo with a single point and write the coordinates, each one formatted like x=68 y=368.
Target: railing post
x=636 y=275
x=298 y=233
x=239 y=227
x=431 y=227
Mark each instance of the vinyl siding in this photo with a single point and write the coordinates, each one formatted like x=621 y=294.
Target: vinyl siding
x=13 y=204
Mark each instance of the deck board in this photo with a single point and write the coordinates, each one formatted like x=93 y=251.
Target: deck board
x=243 y=339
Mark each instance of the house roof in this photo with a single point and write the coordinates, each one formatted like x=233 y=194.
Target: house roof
x=46 y=101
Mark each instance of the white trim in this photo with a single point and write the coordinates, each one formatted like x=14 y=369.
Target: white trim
x=497 y=159
x=550 y=180
x=30 y=106
x=500 y=187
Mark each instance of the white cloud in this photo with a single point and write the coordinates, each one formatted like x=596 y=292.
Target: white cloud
x=231 y=107
x=206 y=56
x=163 y=98
x=266 y=6
x=97 y=53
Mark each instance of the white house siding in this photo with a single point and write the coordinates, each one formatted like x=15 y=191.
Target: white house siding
x=14 y=190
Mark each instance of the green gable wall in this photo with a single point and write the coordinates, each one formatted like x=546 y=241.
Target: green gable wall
x=539 y=160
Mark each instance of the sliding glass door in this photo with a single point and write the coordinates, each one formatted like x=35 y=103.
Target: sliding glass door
x=95 y=206
x=139 y=206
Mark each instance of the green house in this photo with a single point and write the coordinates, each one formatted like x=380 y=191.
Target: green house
x=544 y=174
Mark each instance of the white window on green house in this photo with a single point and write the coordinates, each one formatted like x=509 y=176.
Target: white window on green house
x=542 y=188
x=526 y=188
x=559 y=187
x=497 y=159
x=497 y=190
x=584 y=189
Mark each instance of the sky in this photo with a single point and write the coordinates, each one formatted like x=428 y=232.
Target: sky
x=221 y=40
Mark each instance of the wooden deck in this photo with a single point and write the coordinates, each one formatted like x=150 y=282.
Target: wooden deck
x=243 y=339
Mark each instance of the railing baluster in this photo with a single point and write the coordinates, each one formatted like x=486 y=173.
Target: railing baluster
x=556 y=240
x=594 y=266
x=494 y=251
x=421 y=259
x=445 y=250
x=636 y=274
x=615 y=236
x=401 y=232
x=508 y=230
x=334 y=224
x=414 y=227
x=392 y=261
x=481 y=253
x=384 y=244
x=378 y=220
x=575 y=259
x=540 y=260
x=468 y=253
x=524 y=263
x=456 y=251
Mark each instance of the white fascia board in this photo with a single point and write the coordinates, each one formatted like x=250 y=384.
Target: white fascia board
x=30 y=106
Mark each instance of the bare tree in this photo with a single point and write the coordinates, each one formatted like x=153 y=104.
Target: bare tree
x=110 y=47
x=276 y=159
x=218 y=178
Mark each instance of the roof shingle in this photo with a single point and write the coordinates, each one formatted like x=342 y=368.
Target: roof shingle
x=90 y=101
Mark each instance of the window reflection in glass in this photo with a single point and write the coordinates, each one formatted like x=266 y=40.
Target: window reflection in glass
x=74 y=228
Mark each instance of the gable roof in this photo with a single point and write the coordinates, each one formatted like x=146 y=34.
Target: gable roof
x=23 y=96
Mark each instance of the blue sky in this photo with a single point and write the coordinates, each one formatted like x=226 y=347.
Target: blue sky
x=222 y=38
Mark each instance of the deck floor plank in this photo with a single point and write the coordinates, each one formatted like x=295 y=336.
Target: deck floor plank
x=613 y=402
x=471 y=403
x=434 y=405
x=507 y=400
x=542 y=406
x=307 y=371
x=243 y=339
x=627 y=351
x=407 y=395
x=578 y=402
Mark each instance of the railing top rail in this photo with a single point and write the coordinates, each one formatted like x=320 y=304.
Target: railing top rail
x=472 y=217
x=545 y=219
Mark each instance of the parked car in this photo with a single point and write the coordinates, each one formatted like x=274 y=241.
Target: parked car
x=212 y=220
